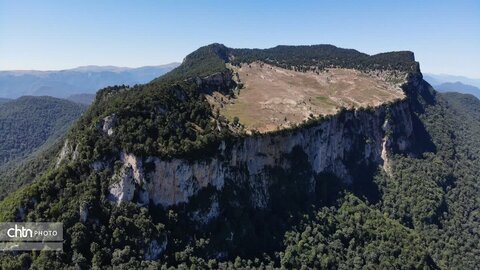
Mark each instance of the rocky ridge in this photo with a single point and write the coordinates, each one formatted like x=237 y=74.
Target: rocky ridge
x=360 y=138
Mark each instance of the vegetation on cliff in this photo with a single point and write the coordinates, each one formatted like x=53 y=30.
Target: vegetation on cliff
x=424 y=214
x=170 y=116
x=326 y=56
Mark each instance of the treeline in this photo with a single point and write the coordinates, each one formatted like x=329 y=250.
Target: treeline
x=326 y=56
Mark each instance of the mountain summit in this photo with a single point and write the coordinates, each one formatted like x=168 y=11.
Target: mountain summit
x=289 y=157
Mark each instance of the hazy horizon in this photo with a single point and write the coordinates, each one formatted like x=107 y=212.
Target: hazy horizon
x=89 y=66
x=57 y=35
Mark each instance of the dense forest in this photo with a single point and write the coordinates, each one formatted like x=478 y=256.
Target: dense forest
x=30 y=129
x=29 y=122
x=22 y=171
x=424 y=215
x=326 y=56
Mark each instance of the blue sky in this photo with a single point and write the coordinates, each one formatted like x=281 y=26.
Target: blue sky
x=445 y=35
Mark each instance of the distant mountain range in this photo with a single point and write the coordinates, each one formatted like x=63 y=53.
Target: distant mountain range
x=436 y=79
x=451 y=83
x=173 y=173
x=80 y=80
x=458 y=87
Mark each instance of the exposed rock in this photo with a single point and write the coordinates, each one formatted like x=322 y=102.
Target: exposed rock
x=155 y=249
x=68 y=152
x=387 y=166
x=329 y=146
x=108 y=124
x=83 y=212
x=128 y=180
x=221 y=82
x=75 y=153
x=124 y=186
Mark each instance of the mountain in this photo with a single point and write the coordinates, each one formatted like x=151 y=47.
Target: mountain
x=458 y=87
x=291 y=157
x=431 y=80
x=450 y=83
x=4 y=100
x=436 y=79
x=22 y=171
x=81 y=80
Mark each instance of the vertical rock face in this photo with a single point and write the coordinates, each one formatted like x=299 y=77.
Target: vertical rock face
x=339 y=145
x=108 y=123
x=69 y=152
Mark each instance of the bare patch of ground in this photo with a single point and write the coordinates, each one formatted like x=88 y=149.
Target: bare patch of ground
x=274 y=98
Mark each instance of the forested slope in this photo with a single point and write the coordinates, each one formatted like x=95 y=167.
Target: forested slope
x=29 y=128
x=422 y=214
x=29 y=122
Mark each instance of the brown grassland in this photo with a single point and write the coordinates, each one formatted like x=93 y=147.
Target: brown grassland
x=273 y=98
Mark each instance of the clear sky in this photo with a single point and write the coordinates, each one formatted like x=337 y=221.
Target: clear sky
x=445 y=35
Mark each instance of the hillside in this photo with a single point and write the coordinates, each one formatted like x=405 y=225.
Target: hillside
x=81 y=80
x=27 y=123
x=21 y=171
x=155 y=176
x=458 y=87
x=31 y=130
x=4 y=100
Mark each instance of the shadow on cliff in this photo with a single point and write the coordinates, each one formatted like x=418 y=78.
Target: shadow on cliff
x=420 y=98
x=422 y=139
x=249 y=217
x=249 y=222
x=293 y=194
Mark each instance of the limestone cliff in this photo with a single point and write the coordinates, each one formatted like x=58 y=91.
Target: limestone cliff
x=336 y=146
x=344 y=145
x=347 y=145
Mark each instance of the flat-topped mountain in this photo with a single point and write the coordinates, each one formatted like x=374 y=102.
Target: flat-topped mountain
x=288 y=157
x=271 y=98
x=287 y=85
